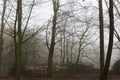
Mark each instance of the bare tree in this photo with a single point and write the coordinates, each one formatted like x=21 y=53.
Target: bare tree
x=80 y=49
x=101 y=25
x=110 y=45
x=18 y=36
x=52 y=44
x=2 y=30
x=19 y=40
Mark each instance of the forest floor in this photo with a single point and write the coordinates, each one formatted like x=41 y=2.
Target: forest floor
x=62 y=78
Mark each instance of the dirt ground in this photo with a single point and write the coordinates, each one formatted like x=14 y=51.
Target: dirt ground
x=62 y=78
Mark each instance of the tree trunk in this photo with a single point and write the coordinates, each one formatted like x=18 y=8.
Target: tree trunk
x=67 y=54
x=2 y=30
x=52 y=45
x=18 y=45
x=101 y=38
x=71 y=55
x=79 y=52
x=81 y=44
x=110 y=45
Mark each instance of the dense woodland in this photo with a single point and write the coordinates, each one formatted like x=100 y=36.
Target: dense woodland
x=59 y=39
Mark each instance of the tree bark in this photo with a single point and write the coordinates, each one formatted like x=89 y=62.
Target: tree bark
x=52 y=45
x=101 y=28
x=18 y=44
x=110 y=45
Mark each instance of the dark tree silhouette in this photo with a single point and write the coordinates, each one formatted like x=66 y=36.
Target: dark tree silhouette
x=110 y=45
x=52 y=45
x=2 y=26
x=101 y=27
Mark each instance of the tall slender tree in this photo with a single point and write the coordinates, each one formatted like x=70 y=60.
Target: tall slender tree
x=19 y=40
x=52 y=44
x=19 y=35
x=2 y=30
x=110 y=45
x=101 y=28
